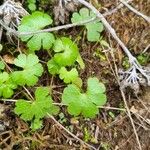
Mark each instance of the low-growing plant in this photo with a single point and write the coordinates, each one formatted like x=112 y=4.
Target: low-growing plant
x=77 y=102
x=34 y=111
x=65 y=56
x=6 y=85
x=31 y=70
x=85 y=103
x=143 y=58
x=31 y=4
x=66 y=52
x=94 y=28
x=69 y=76
x=33 y=23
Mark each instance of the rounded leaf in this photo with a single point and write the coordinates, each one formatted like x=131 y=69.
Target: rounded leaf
x=68 y=52
x=53 y=67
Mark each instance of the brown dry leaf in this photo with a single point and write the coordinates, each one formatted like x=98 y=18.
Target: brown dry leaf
x=71 y=6
x=9 y=58
x=126 y=36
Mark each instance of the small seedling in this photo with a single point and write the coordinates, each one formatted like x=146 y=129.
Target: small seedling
x=87 y=135
x=85 y=103
x=6 y=85
x=94 y=28
x=35 y=22
x=62 y=118
x=32 y=70
x=38 y=109
x=32 y=5
x=143 y=59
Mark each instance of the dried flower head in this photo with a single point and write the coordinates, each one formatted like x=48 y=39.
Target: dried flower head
x=135 y=76
x=11 y=13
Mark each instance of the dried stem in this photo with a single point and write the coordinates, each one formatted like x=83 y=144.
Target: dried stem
x=115 y=9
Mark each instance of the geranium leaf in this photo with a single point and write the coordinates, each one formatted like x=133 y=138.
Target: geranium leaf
x=66 y=52
x=94 y=28
x=68 y=76
x=32 y=70
x=6 y=85
x=38 y=109
x=84 y=103
x=35 y=22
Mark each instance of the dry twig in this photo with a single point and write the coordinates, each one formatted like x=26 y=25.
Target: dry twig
x=135 y=11
x=74 y=136
x=132 y=122
x=115 y=9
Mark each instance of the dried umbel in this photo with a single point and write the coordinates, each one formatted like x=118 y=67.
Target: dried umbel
x=11 y=13
x=135 y=76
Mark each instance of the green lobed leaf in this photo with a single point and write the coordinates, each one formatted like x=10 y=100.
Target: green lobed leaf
x=53 y=67
x=68 y=76
x=84 y=103
x=96 y=91
x=35 y=22
x=38 y=109
x=32 y=70
x=6 y=85
x=66 y=52
x=2 y=65
x=32 y=6
x=94 y=28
